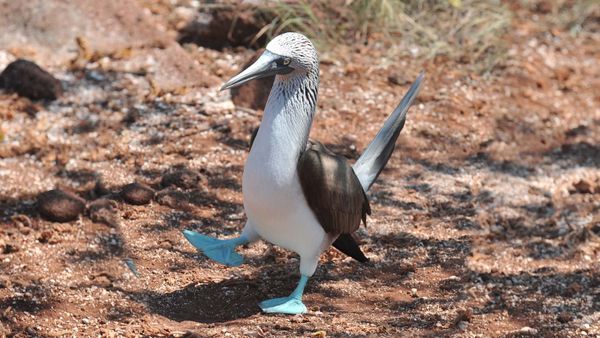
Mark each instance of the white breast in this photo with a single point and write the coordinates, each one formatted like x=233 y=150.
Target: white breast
x=273 y=198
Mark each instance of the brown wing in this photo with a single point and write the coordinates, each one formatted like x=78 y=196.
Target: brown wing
x=253 y=137
x=332 y=190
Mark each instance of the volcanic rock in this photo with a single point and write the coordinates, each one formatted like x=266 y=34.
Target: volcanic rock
x=28 y=79
x=59 y=206
x=137 y=194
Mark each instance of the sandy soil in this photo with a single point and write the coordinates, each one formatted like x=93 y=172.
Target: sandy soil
x=486 y=221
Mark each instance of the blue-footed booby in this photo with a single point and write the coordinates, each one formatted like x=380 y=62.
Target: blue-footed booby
x=297 y=193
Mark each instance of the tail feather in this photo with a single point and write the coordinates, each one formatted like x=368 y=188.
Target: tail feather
x=346 y=244
x=370 y=164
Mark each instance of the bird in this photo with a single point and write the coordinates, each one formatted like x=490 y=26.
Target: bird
x=297 y=194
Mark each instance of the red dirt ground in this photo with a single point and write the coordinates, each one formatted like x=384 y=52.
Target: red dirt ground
x=486 y=221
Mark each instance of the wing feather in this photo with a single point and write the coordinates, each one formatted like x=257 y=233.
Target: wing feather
x=332 y=190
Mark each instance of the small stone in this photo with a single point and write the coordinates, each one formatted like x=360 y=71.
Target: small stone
x=102 y=281
x=349 y=138
x=298 y=319
x=45 y=236
x=31 y=109
x=574 y=288
x=166 y=244
x=583 y=186
x=413 y=293
x=462 y=325
x=21 y=221
x=133 y=114
x=565 y=317
x=397 y=79
x=182 y=178
x=100 y=189
x=59 y=206
x=528 y=330
x=173 y=199
x=543 y=7
x=29 y=80
x=4 y=282
x=103 y=211
x=137 y=194
x=464 y=315
x=9 y=248
x=85 y=321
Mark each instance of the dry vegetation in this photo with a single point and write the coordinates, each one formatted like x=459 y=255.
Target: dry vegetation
x=470 y=31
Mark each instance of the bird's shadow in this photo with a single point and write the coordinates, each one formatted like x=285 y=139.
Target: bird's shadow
x=208 y=302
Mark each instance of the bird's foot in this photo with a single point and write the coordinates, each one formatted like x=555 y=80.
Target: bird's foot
x=287 y=305
x=220 y=250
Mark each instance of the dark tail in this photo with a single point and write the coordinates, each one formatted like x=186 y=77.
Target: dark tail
x=370 y=164
x=346 y=244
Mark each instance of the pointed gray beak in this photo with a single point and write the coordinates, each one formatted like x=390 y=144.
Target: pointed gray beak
x=268 y=64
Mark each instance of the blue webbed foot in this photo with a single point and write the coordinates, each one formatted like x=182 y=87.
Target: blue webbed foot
x=291 y=305
x=286 y=305
x=220 y=250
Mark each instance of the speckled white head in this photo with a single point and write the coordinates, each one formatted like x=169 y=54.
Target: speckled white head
x=298 y=49
x=290 y=55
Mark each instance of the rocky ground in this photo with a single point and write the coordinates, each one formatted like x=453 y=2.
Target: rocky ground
x=486 y=221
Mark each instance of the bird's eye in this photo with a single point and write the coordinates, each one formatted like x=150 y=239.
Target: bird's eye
x=286 y=61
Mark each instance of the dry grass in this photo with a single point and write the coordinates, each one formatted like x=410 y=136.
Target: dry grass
x=576 y=16
x=468 y=31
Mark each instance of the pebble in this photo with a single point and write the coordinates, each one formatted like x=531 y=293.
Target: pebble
x=583 y=186
x=319 y=334
x=298 y=319
x=397 y=79
x=137 y=194
x=131 y=116
x=7 y=248
x=103 y=211
x=102 y=281
x=527 y=329
x=183 y=178
x=4 y=282
x=565 y=317
x=464 y=315
x=100 y=189
x=413 y=293
x=59 y=206
x=173 y=199
x=46 y=237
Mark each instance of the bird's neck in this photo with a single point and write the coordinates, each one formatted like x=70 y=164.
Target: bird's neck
x=288 y=117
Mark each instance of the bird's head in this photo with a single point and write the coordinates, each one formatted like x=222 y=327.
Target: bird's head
x=287 y=54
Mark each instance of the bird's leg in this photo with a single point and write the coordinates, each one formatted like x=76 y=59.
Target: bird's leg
x=289 y=305
x=220 y=250
x=223 y=250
